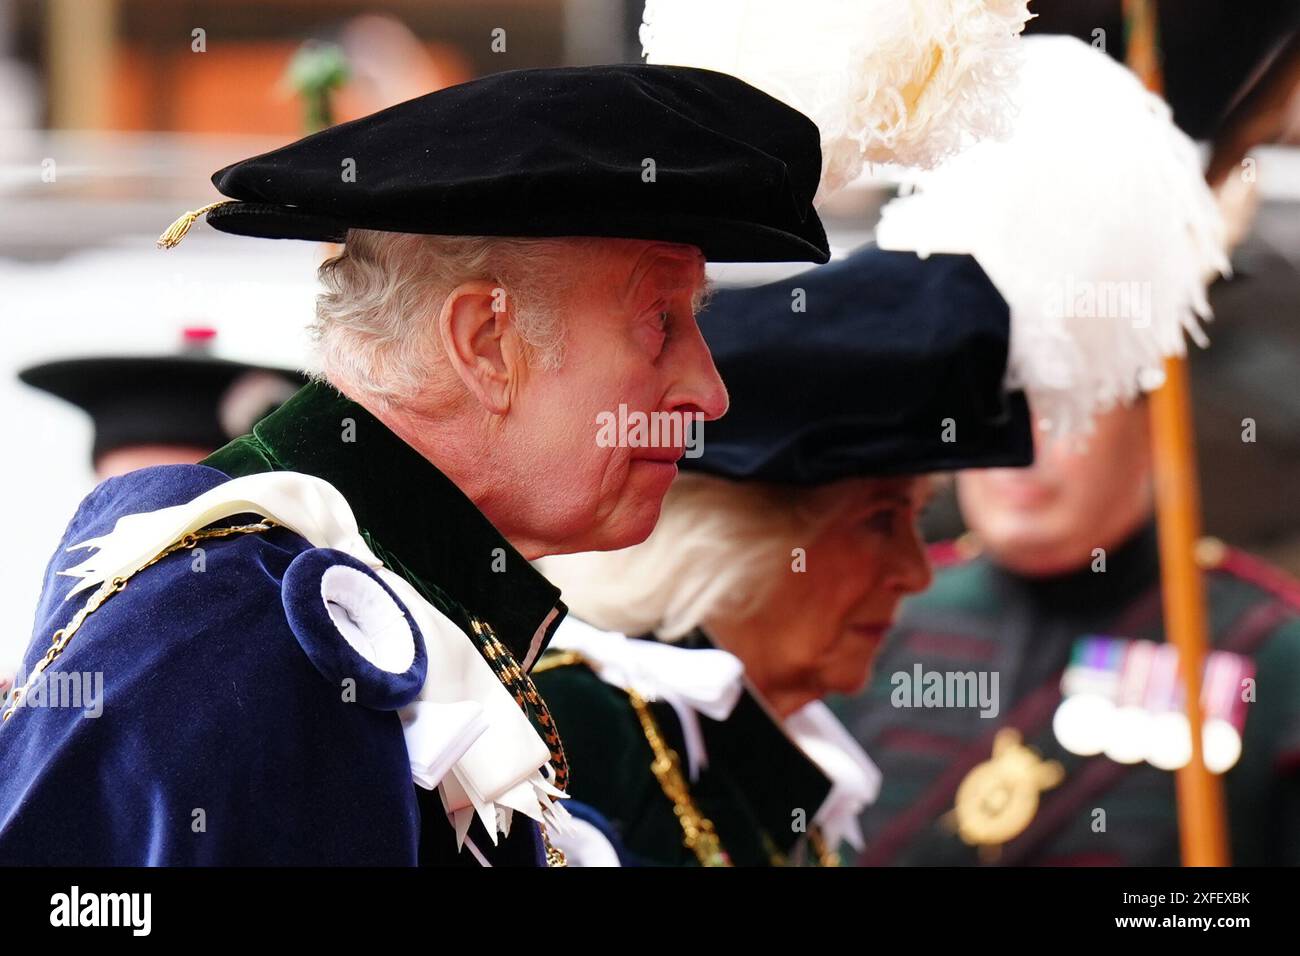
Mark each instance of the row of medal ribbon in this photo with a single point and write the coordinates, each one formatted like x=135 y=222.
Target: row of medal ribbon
x=1123 y=698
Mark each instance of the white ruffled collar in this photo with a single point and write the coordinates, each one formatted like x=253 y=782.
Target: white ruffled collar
x=708 y=681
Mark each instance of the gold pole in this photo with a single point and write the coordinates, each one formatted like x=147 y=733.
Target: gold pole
x=1178 y=507
x=79 y=40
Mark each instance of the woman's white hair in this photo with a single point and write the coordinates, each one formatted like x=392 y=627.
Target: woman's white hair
x=374 y=332
x=717 y=551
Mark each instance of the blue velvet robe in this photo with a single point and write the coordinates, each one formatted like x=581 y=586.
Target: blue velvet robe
x=218 y=741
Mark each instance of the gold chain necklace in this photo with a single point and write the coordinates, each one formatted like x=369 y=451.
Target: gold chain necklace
x=698 y=833
x=517 y=681
x=106 y=590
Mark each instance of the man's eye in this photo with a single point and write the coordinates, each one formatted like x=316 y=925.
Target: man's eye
x=661 y=325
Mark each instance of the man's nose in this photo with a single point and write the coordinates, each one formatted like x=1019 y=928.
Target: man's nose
x=696 y=385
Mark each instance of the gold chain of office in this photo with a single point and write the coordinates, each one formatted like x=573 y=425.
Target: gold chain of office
x=64 y=635
x=516 y=680
x=698 y=833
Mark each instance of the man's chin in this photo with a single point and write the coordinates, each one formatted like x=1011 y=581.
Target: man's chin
x=646 y=476
x=637 y=512
x=1017 y=532
x=632 y=530
x=629 y=525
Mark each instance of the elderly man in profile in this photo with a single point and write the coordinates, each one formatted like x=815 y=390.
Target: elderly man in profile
x=315 y=645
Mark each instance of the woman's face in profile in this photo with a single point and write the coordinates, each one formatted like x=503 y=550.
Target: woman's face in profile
x=821 y=625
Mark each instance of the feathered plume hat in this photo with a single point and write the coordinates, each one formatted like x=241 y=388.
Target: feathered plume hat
x=901 y=81
x=1094 y=221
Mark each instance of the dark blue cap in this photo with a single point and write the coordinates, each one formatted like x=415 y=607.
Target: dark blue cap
x=895 y=366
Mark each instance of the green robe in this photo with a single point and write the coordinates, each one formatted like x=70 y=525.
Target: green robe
x=759 y=789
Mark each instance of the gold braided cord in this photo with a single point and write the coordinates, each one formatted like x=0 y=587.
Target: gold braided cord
x=825 y=855
x=174 y=233
x=518 y=683
x=698 y=834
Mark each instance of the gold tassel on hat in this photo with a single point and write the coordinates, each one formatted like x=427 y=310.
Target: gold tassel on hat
x=177 y=230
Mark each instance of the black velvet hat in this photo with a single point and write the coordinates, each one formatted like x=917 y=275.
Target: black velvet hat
x=894 y=367
x=630 y=151
x=190 y=398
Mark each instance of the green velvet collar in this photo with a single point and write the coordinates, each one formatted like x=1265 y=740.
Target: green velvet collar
x=414 y=518
x=778 y=778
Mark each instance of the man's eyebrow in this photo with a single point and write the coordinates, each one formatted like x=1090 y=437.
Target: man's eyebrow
x=662 y=276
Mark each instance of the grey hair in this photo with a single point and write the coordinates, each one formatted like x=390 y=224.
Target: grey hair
x=373 y=330
x=717 y=551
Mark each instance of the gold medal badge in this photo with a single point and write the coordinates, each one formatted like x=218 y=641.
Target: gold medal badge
x=999 y=797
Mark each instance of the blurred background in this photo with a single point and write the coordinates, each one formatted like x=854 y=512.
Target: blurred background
x=114 y=113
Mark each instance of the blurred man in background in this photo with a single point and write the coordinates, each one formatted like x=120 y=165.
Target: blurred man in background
x=164 y=409
x=159 y=409
x=1060 y=553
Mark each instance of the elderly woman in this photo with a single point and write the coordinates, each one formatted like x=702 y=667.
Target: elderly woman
x=320 y=649
x=689 y=693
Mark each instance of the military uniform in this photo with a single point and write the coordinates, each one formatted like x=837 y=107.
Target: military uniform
x=978 y=617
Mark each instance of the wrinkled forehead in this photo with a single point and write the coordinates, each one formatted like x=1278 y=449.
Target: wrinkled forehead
x=661 y=270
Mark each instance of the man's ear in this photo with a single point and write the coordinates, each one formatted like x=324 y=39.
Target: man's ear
x=478 y=336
